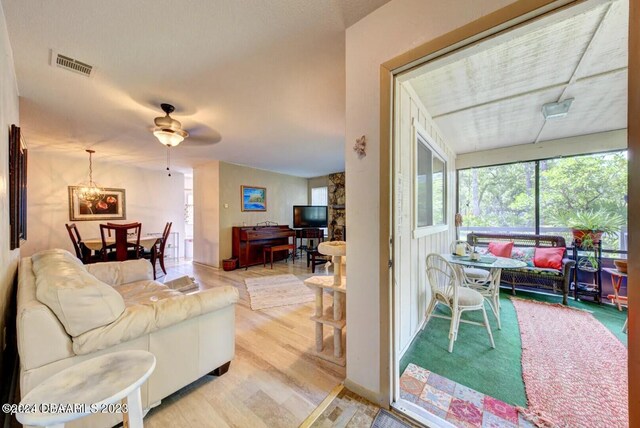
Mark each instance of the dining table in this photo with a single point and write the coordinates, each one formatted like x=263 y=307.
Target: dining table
x=489 y=287
x=146 y=242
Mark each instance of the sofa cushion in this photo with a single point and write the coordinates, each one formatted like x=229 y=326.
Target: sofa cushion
x=501 y=249
x=548 y=257
x=116 y=273
x=148 y=311
x=79 y=300
x=524 y=254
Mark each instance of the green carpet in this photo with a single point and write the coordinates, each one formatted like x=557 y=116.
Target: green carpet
x=473 y=363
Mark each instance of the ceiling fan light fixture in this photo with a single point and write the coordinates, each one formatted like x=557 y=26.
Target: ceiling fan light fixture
x=556 y=110
x=168 y=137
x=168 y=130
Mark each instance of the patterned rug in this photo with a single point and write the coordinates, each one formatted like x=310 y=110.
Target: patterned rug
x=277 y=290
x=458 y=404
x=574 y=368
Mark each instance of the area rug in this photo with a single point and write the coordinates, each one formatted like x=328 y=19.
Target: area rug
x=574 y=368
x=456 y=403
x=277 y=290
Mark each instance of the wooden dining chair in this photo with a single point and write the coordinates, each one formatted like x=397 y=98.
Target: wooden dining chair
x=82 y=252
x=123 y=243
x=157 y=251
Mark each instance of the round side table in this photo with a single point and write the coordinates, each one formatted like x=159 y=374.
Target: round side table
x=106 y=384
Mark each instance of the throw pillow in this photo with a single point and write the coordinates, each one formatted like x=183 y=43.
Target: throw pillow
x=501 y=249
x=549 y=257
x=524 y=254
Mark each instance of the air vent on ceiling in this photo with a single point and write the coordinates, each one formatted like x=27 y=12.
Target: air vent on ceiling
x=70 y=64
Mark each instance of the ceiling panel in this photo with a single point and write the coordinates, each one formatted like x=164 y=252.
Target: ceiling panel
x=493 y=96
x=600 y=105
x=505 y=123
x=518 y=65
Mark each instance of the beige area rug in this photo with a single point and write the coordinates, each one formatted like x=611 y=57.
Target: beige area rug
x=277 y=290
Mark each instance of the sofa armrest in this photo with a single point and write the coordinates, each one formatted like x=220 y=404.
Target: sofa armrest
x=567 y=264
x=141 y=319
x=116 y=273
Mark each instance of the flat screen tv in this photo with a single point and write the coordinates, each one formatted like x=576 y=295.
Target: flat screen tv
x=309 y=216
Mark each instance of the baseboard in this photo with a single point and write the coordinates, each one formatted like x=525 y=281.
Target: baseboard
x=374 y=397
x=205 y=265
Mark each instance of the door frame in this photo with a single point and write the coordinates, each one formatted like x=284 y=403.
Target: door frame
x=516 y=14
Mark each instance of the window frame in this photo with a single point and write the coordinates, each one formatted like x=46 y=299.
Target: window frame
x=421 y=136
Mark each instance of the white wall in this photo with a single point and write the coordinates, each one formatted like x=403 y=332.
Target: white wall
x=206 y=218
x=413 y=291
x=384 y=34
x=8 y=116
x=152 y=198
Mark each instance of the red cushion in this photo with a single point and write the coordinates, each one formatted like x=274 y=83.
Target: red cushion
x=548 y=257
x=501 y=249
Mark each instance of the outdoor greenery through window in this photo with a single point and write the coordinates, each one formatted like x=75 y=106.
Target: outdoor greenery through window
x=503 y=198
x=430 y=186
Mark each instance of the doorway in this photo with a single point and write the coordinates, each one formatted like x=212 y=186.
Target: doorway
x=415 y=131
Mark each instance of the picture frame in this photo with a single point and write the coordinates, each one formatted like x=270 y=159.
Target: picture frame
x=253 y=198
x=17 y=187
x=111 y=207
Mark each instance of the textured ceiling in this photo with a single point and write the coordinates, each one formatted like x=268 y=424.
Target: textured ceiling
x=492 y=96
x=260 y=83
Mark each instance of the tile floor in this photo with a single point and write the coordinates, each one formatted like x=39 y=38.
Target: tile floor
x=458 y=404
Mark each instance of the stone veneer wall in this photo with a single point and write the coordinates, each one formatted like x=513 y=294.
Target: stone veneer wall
x=337 y=211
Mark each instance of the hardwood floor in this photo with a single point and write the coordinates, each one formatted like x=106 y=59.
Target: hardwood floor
x=274 y=381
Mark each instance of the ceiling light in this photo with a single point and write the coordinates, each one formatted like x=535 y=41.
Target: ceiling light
x=90 y=192
x=556 y=109
x=168 y=130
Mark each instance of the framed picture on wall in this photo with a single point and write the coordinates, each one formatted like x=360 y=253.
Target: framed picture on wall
x=17 y=187
x=112 y=206
x=253 y=198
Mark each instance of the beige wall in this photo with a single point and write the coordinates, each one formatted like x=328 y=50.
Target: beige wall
x=206 y=221
x=386 y=33
x=152 y=198
x=283 y=192
x=8 y=115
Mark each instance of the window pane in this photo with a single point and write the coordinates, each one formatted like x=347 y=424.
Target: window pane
x=424 y=186
x=319 y=196
x=497 y=199
x=438 y=191
x=581 y=184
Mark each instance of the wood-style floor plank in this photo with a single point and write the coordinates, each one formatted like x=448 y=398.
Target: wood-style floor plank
x=274 y=380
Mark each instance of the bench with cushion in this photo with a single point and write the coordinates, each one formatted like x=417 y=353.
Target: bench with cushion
x=524 y=249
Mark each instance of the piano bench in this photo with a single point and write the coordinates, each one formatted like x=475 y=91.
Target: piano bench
x=273 y=248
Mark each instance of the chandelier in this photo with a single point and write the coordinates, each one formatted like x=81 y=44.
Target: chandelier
x=90 y=192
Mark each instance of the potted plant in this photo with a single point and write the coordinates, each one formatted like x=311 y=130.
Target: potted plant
x=589 y=226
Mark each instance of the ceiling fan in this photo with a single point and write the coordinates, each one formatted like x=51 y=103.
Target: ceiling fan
x=170 y=132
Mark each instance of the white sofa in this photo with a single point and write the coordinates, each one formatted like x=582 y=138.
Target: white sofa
x=69 y=312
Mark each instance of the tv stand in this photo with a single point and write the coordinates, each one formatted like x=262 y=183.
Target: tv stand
x=309 y=234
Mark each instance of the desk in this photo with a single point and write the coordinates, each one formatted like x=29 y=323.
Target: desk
x=91 y=386
x=95 y=244
x=616 y=281
x=491 y=288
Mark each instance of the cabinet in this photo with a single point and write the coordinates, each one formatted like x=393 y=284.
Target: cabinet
x=587 y=274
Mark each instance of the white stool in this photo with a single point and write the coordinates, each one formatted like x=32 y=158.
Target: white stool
x=106 y=384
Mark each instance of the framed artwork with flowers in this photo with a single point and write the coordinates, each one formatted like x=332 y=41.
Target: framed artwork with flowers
x=111 y=206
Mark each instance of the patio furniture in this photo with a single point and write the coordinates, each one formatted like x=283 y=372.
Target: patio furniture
x=446 y=289
x=556 y=280
x=489 y=287
x=471 y=275
x=616 y=281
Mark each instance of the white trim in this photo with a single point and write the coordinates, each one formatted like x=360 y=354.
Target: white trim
x=419 y=414
x=420 y=135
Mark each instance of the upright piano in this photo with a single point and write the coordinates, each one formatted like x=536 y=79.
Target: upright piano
x=248 y=242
